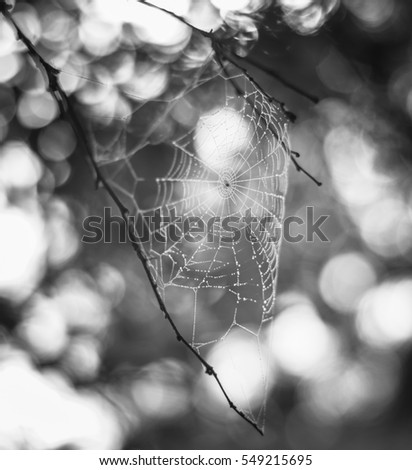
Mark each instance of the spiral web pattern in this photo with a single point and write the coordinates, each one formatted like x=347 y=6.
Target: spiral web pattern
x=223 y=165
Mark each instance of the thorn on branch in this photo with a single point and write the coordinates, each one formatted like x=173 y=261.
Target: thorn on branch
x=299 y=168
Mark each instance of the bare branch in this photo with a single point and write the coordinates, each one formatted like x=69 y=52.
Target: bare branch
x=179 y=18
x=269 y=71
x=66 y=108
x=222 y=54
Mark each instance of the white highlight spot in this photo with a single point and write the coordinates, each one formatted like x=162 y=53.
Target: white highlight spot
x=301 y=342
x=385 y=314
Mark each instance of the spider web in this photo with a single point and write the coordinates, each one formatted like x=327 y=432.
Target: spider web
x=208 y=154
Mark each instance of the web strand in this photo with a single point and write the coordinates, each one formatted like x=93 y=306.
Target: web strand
x=242 y=168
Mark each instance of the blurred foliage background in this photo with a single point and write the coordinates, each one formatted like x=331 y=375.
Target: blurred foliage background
x=86 y=360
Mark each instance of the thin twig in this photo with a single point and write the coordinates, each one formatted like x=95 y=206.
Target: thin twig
x=222 y=54
x=269 y=71
x=293 y=156
x=241 y=94
x=66 y=108
x=219 y=51
x=177 y=17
